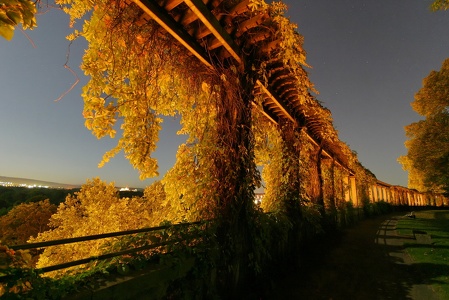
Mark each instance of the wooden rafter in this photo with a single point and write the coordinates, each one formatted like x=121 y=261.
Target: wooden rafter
x=272 y=98
x=166 y=22
x=209 y=20
x=240 y=8
x=172 y=4
x=250 y=23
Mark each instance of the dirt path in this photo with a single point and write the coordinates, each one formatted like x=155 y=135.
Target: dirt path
x=367 y=262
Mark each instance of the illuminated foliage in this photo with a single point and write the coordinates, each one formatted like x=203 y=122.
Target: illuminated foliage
x=14 y=12
x=95 y=209
x=440 y=5
x=427 y=159
x=309 y=172
x=190 y=183
x=268 y=151
x=24 y=221
x=290 y=187
x=137 y=74
x=157 y=208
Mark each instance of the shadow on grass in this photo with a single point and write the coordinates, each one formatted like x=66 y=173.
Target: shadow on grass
x=366 y=262
x=441 y=215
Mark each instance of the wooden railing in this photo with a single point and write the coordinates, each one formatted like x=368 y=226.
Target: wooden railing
x=170 y=241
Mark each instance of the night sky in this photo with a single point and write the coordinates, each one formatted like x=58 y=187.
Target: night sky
x=368 y=60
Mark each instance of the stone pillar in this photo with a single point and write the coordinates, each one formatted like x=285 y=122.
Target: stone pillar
x=371 y=194
x=379 y=193
x=393 y=196
x=354 y=198
x=375 y=194
x=346 y=188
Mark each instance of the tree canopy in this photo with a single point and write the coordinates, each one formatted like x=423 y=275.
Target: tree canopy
x=96 y=209
x=427 y=159
x=24 y=221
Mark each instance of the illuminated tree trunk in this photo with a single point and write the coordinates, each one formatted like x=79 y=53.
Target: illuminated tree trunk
x=291 y=168
x=236 y=171
x=320 y=198
x=291 y=189
x=332 y=196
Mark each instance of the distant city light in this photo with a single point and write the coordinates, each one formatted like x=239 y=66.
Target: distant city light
x=127 y=189
x=39 y=186
x=30 y=186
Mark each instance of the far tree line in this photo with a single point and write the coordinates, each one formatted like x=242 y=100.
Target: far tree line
x=13 y=196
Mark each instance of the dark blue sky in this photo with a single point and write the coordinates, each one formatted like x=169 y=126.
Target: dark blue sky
x=368 y=58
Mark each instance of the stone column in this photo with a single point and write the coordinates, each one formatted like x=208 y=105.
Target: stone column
x=375 y=194
x=354 y=198
x=346 y=188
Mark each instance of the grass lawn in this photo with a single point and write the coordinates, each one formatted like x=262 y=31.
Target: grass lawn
x=431 y=259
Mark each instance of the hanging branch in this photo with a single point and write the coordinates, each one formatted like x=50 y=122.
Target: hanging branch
x=71 y=71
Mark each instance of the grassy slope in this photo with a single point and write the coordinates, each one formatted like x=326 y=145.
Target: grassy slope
x=432 y=259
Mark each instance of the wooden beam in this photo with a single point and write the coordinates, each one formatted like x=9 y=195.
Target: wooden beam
x=201 y=32
x=328 y=154
x=272 y=98
x=264 y=112
x=165 y=21
x=230 y=13
x=268 y=47
x=172 y=4
x=257 y=37
x=209 y=20
x=213 y=43
x=240 y=8
x=188 y=18
x=287 y=94
x=250 y=23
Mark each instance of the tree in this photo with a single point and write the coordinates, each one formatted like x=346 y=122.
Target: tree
x=24 y=221
x=427 y=159
x=14 y=12
x=95 y=209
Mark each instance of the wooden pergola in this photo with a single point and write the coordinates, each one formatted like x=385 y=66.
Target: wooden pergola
x=217 y=30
